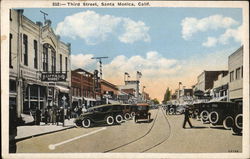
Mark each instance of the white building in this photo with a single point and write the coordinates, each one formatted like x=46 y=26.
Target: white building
x=34 y=50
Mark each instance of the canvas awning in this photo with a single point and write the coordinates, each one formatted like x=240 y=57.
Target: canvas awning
x=62 y=89
x=89 y=99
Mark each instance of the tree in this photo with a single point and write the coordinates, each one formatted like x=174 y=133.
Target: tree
x=155 y=101
x=166 y=96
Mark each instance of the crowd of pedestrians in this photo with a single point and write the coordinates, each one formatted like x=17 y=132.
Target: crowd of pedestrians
x=55 y=115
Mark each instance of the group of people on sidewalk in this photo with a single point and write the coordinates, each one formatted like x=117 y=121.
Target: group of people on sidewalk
x=55 y=115
x=52 y=115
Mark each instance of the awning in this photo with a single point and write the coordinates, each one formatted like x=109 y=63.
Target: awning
x=113 y=102
x=62 y=89
x=74 y=98
x=89 y=99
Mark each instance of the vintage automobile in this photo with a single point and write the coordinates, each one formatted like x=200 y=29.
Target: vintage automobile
x=221 y=113
x=228 y=114
x=204 y=109
x=171 y=109
x=142 y=112
x=128 y=111
x=108 y=114
x=180 y=109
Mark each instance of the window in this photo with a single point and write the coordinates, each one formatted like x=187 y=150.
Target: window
x=241 y=71
x=10 y=57
x=231 y=76
x=61 y=63
x=35 y=54
x=10 y=15
x=237 y=73
x=66 y=65
x=45 y=58
x=25 y=44
x=53 y=59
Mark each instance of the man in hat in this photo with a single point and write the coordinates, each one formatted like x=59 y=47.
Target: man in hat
x=186 y=118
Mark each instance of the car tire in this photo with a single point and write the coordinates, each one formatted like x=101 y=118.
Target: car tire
x=236 y=130
x=228 y=122
x=110 y=120
x=127 y=116
x=118 y=119
x=86 y=123
x=213 y=117
x=132 y=114
x=238 y=121
x=171 y=111
x=205 y=115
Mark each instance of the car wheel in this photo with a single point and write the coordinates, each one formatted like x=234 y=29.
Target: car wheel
x=228 y=122
x=132 y=114
x=171 y=111
x=236 y=130
x=78 y=123
x=238 y=121
x=213 y=117
x=86 y=123
x=110 y=120
x=205 y=115
x=118 y=118
x=127 y=116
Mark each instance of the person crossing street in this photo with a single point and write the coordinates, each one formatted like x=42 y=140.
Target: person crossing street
x=186 y=118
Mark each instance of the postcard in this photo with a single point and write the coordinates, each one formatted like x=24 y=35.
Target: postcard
x=125 y=79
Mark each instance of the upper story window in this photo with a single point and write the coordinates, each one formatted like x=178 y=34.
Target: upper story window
x=10 y=54
x=66 y=65
x=231 y=76
x=53 y=60
x=35 y=54
x=45 y=57
x=25 y=53
x=60 y=62
x=237 y=73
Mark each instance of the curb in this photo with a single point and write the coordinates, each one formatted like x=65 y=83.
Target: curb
x=24 y=138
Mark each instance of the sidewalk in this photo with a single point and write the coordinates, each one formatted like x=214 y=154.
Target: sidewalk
x=28 y=131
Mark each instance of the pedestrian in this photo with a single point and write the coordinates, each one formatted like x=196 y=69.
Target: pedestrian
x=68 y=113
x=38 y=116
x=75 y=111
x=50 y=111
x=54 y=113
x=186 y=118
x=61 y=114
x=46 y=116
x=57 y=116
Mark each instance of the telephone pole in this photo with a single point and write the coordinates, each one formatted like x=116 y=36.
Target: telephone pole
x=100 y=62
x=44 y=15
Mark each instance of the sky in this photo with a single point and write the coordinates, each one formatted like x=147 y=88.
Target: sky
x=167 y=45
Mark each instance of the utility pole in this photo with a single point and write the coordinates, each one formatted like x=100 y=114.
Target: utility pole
x=44 y=15
x=100 y=62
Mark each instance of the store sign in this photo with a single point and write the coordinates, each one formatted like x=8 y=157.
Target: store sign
x=53 y=77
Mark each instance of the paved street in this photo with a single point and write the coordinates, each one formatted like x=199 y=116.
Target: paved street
x=162 y=134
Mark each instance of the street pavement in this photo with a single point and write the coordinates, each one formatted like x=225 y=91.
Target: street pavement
x=164 y=134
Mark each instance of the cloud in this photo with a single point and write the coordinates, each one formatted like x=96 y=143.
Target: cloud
x=191 y=25
x=235 y=34
x=154 y=65
x=82 y=60
x=94 y=28
x=134 y=31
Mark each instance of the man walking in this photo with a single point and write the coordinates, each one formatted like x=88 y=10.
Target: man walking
x=186 y=118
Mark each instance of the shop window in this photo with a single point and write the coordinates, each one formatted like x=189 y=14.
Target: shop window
x=231 y=76
x=237 y=73
x=35 y=54
x=25 y=54
x=10 y=53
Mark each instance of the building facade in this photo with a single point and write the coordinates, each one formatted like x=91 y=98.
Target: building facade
x=82 y=88
x=206 y=78
x=109 y=91
x=235 y=68
x=220 y=87
x=35 y=50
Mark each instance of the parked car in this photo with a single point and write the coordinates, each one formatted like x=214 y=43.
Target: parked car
x=204 y=109
x=180 y=109
x=238 y=118
x=127 y=110
x=102 y=114
x=142 y=112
